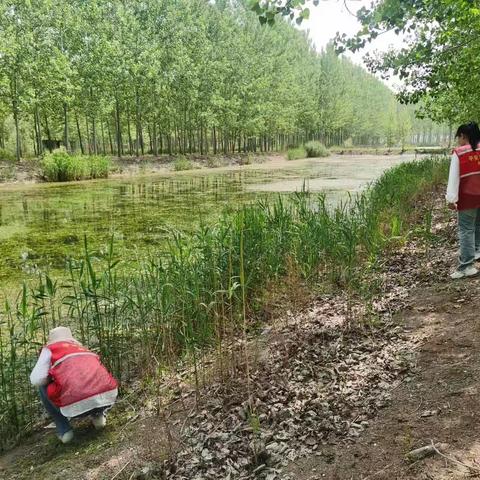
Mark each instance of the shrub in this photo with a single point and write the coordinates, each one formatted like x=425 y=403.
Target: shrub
x=296 y=153
x=59 y=166
x=182 y=163
x=6 y=156
x=316 y=149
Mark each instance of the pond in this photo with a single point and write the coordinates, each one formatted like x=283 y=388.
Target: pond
x=42 y=225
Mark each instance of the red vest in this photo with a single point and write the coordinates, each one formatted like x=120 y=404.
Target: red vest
x=77 y=374
x=469 y=191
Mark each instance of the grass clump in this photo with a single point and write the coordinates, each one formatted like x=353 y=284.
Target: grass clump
x=60 y=166
x=213 y=162
x=316 y=149
x=296 y=153
x=196 y=292
x=182 y=163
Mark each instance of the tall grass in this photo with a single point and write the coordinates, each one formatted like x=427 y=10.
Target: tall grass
x=296 y=153
x=182 y=163
x=59 y=166
x=201 y=288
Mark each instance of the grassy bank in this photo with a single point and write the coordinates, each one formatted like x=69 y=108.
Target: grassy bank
x=204 y=287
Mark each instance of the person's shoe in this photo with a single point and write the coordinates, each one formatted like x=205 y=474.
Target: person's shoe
x=66 y=437
x=99 y=421
x=477 y=255
x=466 y=272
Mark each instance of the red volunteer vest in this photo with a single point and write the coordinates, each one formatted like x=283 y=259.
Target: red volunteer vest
x=77 y=374
x=469 y=191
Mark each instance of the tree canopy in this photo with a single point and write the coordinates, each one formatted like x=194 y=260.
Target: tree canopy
x=439 y=62
x=153 y=76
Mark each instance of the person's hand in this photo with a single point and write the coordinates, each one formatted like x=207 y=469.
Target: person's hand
x=452 y=206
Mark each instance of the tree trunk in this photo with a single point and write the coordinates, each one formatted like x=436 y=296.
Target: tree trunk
x=130 y=142
x=110 y=138
x=47 y=128
x=137 y=122
x=149 y=130
x=88 y=137
x=66 y=141
x=79 y=132
x=154 y=142
x=118 y=128
x=2 y=134
x=184 y=130
x=38 y=131
x=18 y=148
x=103 y=138
x=35 y=137
x=94 y=136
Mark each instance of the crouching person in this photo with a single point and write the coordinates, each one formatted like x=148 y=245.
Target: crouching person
x=72 y=382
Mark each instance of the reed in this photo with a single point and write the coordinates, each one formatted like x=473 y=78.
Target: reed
x=201 y=289
x=316 y=149
x=296 y=153
x=182 y=163
x=60 y=166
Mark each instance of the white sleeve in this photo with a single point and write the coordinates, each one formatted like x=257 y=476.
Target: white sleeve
x=39 y=375
x=453 y=180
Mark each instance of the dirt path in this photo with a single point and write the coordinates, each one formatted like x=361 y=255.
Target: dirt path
x=438 y=401
x=328 y=401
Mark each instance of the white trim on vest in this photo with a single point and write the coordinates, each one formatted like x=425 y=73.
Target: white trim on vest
x=470 y=174
x=101 y=400
x=462 y=151
x=70 y=355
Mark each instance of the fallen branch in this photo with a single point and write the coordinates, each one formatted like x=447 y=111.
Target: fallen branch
x=423 y=452
x=121 y=470
x=470 y=467
x=368 y=477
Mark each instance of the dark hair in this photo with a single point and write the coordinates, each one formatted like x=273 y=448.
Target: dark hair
x=471 y=131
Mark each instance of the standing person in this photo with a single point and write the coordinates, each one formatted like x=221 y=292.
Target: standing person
x=463 y=195
x=72 y=382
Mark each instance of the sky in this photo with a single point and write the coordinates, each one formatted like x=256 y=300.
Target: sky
x=331 y=16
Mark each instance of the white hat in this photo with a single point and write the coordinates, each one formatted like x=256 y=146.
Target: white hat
x=60 y=334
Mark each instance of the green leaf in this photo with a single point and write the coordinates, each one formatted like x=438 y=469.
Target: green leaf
x=305 y=14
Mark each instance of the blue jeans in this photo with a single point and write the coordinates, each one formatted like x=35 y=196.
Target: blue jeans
x=61 y=422
x=469 y=236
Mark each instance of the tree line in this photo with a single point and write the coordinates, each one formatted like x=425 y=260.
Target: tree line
x=133 y=77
